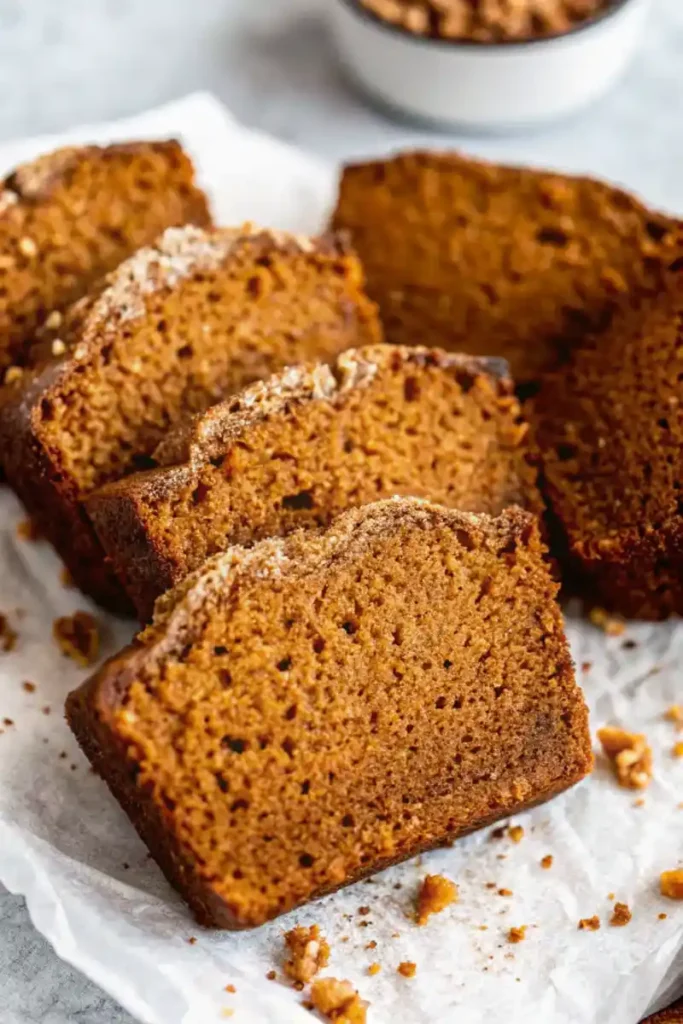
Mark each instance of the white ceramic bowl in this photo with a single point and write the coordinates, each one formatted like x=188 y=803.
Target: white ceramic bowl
x=489 y=86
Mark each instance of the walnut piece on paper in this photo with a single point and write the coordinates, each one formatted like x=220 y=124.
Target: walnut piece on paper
x=630 y=755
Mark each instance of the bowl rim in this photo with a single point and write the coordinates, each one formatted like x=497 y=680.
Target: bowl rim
x=365 y=14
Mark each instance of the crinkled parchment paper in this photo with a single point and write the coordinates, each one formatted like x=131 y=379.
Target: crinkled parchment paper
x=92 y=891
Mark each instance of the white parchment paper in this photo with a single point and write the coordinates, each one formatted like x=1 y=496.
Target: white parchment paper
x=93 y=892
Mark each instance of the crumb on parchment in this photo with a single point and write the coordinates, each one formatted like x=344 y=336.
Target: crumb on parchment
x=517 y=934
x=338 y=1001
x=407 y=969
x=436 y=893
x=78 y=637
x=671 y=884
x=308 y=951
x=8 y=636
x=621 y=915
x=589 y=924
x=609 y=624
x=516 y=833
x=630 y=756
x=547 y=861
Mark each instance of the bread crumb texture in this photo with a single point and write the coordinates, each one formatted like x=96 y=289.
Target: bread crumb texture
x=51 y=252
x=548 y=257
x=436 y=893
x=338 y=1001
x=311 y=442
x=176 y=327
x=589 y=924
x=308 y=952
x=517 y=934
x=306 y=711
x=630 y=756
x=407 y=968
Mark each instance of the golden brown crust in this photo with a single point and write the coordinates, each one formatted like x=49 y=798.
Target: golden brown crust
x=270 y=459
x=122 y=716
x=175 y=327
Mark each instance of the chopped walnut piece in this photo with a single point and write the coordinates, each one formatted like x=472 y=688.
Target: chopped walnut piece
x=407 y=968
x=671 y=884
x=517 y=934
x=338 y=1001
x=589 y=924
x=516 y=833
x=547 y=861
x=630 y=755
x=621 y=915
x=436 y=893
x=78 y=637
x=309 y=953
x=28 y=530
x=8 y=637
x=609 y=624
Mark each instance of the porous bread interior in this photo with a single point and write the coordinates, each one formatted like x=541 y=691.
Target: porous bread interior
x=498 y=260
x=318 y=705
x=255 y=303
x=610 y=427
x=73 y=215
x=303 y=446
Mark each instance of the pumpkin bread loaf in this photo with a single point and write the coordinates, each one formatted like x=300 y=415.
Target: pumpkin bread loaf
x=309 y=443
x=315 y=708
x=498 y=261
x=610 y=426
x=173 y=329
x=72 y=215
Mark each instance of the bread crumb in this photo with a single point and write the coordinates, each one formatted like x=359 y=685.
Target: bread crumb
x=46 y=709
x=271 y=975
x=621 y=915
x=371 y=945
x=639 y=802
x=498 y=833
x=8 y=722
x=364 y=910
x=78 y=637
x=436 y=893
x=338 y=1001
x=309 y=952
x=586 y=666
x=609 y=624
x=28 y=530
x=630 y=755
x=66 y=579
x=589 y=924
x=517 y=934
x=407 y=968
x=505 y=892
x=8 y=637
x=675 y=714
x=610 y=896
x=547 y=861
x=662 y=917
x=374 y=969
x=28 y=687
x=678 y=749
x=231 y=989
x=671 y=884
x=516 y=833
x=192 y=940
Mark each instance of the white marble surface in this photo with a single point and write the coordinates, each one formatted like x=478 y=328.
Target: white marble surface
x=68 y=61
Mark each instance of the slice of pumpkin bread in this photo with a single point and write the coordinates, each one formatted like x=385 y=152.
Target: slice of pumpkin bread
x=73 y=215
x=315 y=708
x=498 y=261
x=309 y=443
x=175 y=328
x=610 y=427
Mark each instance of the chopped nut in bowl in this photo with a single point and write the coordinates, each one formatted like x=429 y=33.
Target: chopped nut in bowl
x=486 y=64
